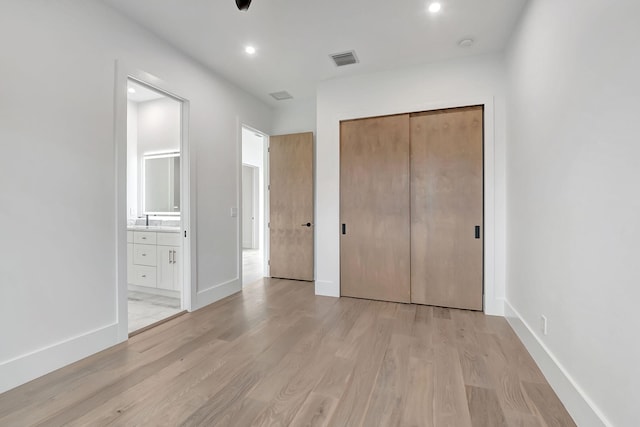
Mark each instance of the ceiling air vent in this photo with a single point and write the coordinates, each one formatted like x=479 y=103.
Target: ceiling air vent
x=345 y=58
x=281 y=96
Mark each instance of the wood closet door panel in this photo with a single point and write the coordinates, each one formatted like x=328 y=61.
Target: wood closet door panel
x=291 y=206
x=446 y=206
x=375 y=208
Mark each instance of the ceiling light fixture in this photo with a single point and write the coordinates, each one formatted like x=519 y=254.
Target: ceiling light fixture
x=435 y=7
x=131 y=90
x=250 y=50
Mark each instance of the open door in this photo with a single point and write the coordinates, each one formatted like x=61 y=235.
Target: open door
x=291 y=206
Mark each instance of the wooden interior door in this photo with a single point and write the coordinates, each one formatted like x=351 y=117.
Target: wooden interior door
x=291 y=206
x=446 y=208
x=374 y=208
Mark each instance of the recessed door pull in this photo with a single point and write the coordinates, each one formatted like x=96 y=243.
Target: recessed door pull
x=477 y=231
x=344 y=228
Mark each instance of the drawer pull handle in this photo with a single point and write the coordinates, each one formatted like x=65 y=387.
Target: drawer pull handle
x=144 y=275
x=144 y=238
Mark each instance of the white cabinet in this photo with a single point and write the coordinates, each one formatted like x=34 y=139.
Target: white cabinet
x=168 y=268
x=144 y=255
x=154 y=260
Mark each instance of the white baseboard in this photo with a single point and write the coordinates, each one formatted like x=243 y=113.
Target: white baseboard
x=27 y=367
x=583 y=410
x=327 y=289
x=216 y=293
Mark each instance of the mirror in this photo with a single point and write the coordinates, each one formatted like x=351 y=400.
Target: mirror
x=162 y=184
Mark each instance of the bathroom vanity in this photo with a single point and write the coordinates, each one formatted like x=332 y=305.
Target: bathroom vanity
x=154 y=261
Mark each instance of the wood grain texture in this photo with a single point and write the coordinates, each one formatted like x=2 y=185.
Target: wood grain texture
x=291 y=205
x=446 y=205
x=484 y=408
x=276 y=354
x=374 y=206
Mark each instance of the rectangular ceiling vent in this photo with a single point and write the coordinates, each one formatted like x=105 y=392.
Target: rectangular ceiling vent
x=345 y=58
x=281 y=96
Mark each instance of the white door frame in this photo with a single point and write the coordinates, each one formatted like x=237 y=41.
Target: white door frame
x=125 y=72
x=265 y=192
x=255 y=200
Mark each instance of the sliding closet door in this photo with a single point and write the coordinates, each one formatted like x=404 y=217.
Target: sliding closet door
x=446 y=208
x=375 y=208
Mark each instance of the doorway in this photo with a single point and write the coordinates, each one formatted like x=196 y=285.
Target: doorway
x=155 y=205
x=253 y=202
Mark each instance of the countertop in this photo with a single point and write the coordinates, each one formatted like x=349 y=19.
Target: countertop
x=155 y=228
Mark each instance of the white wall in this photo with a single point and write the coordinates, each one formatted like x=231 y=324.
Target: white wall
x=295 y=116
x=159 y=126
x=132 y=159
x=573 y=203
x=57 y=177
x=248 y=208
x=431 y=86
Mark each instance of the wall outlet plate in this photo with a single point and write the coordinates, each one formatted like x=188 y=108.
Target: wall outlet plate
x=234 y=212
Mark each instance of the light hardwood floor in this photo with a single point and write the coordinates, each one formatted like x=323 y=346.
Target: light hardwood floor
x=275 y=354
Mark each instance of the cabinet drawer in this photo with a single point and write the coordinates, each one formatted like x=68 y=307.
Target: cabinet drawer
x=169 y=239
x=146 y=237
x=144 y=276
x=129 y=236
x=144 y=255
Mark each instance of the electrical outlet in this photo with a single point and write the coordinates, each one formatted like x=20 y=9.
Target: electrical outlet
x=543 y=324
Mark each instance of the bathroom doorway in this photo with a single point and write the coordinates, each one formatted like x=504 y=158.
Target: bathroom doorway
x=254 y=152
x=155 y=205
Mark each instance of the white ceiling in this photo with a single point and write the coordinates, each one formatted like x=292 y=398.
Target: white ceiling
x=294 y=38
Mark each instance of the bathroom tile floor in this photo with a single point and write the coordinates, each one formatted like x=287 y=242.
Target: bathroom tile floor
x=145 y=309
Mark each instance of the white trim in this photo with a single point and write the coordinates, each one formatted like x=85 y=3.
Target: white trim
x=27 y=367
x=583 y=410
x=493 y=303
x=218 y=292
x=123 y=73
x=266 y=247
x=327 y=289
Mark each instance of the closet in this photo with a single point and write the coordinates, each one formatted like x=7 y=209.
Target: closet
x=411 y=208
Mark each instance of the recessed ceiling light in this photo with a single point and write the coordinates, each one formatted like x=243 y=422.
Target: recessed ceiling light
x=468 y=42
x=435 y=7
x=131 y=90
x=250 y=50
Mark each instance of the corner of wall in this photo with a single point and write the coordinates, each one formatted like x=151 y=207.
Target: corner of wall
x=216 y=293
x=580 y=407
